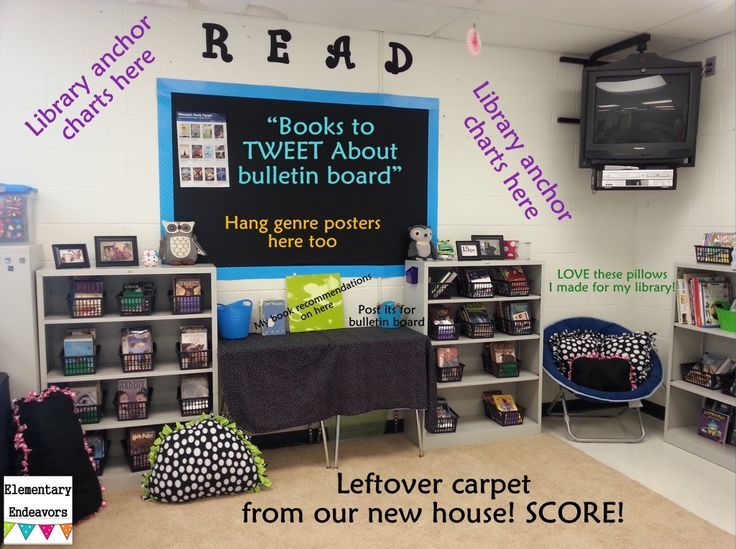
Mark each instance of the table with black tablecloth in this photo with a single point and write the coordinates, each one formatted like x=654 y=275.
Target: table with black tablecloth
x=271 y=383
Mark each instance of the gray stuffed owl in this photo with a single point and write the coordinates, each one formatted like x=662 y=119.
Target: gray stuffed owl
x=179 y=245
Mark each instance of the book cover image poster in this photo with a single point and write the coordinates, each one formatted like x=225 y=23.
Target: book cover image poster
x=201 y=144
x=315 y=304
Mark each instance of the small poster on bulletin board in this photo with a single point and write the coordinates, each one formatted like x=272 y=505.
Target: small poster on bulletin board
x=202 y=149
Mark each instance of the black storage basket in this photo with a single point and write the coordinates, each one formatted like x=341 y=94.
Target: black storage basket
x=440 y=290
x=515 y=327
x=728 y=384
x=477 y=289
x=477 y=329
x=446 y=424
x=194 y=406
x=194 y=360
x=713 y=254
x=136 y=305
x=79 y=365
x=86 y=307
x=137 y=462
x=127 y=411
x=514 y=288
x=503 y=417
x=502 y=370
x=444 y=332
x=90 y=413
x=186 y=304
x=137 y=362
x=101 y=462
x=692 y=374
x=449 y=374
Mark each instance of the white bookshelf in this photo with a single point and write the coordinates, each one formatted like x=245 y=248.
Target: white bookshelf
x=685 y=400
x=52 y=288
x=465 y=397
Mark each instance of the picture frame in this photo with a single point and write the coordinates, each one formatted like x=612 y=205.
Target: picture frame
x=491 y=246
x=467 y=250
x=116 y=251
x=70 y=256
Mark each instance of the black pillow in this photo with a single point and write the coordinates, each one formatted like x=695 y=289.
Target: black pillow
x=50 y=442
x=638 y=346
x=604 y=373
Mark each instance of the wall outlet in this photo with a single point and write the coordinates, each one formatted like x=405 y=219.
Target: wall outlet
x=710 y=66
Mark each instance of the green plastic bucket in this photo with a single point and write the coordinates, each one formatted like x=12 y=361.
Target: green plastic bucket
x=726 y=318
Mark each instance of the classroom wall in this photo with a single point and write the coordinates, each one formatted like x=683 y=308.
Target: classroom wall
x=105 y=181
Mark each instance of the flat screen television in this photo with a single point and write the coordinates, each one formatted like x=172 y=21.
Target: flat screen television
x=641 y=111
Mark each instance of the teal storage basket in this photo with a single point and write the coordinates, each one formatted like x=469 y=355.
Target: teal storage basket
x=233 y=320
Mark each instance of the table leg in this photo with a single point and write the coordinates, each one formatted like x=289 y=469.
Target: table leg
x=337 y=439
x=420 y=431
x=324 y=443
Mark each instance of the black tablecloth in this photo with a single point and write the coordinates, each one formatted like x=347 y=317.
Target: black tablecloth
x=276 y=382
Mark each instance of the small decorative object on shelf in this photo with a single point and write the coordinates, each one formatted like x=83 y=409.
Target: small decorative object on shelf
x=70 y=256
x=150 y=258
x=421 y=245
x=510 y=249
x=445 y=251
x=116 y=251
x=502 y=409
x=179 y=245
x=467 y=250
x=446 y=418
x=490 y=246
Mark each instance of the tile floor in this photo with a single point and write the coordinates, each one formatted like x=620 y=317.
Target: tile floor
x=699 y=486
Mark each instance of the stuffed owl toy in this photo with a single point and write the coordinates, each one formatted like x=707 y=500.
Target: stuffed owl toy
x=179 y=245
x=421 y=245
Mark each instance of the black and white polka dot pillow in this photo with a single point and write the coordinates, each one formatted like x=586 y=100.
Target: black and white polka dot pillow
x=568 y=345
x=206 y=457
x=637 y=346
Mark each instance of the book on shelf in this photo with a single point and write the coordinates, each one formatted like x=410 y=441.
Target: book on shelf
x=713 y=292
x=697 y=297
x=504 y=403
x=509 y=274
x=136 y=340
x=475 y=313
x=440 y=315
x=273 y=317
x=79 y=345
x=714 y=425
x=721 y=240
x=192 y=338
x=195 y=386
x=187 y=286
x=140 y=439
x=448 y=357
x=132 y=390
x=683 y=302
x=97 y=443
x=86 y=287
x=477 y=275
x=502 y=352
x=440 y=279
x=89 y=394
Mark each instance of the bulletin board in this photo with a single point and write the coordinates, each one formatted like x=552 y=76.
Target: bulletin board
x=283 y=181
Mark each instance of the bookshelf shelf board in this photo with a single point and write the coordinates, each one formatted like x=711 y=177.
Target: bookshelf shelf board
x=115 y=371
x=160 y=412
x=465 y=340
x=689 y=440
x=154 y=317
x=483 y=378
x=702 y=391
x=472 y=428
x=708 y=331
x=461 y=299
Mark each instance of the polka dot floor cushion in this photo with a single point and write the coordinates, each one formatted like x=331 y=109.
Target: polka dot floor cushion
x=637 y=346
x=208 y=456
x=568 y=345
x=49 y=441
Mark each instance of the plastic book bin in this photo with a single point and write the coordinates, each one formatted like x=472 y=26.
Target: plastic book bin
x=233 y=320
x=726 y=318
x=16 y=213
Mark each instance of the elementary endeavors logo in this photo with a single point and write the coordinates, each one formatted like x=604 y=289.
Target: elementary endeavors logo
x=37 y=510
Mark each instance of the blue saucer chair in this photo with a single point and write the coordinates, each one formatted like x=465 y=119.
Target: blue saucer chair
x=627 y=399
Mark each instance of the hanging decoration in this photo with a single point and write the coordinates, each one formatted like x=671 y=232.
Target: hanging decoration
x=472 y=41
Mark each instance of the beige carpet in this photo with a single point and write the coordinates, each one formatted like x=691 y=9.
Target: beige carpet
x=557 y=472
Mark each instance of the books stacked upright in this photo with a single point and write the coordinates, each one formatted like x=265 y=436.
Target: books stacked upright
x=441 y=327
x=131 y=399
x=187 y=295
x=79 y=356
x=138 y=442
x=273 y=317
x=501 y=408
x=195 y=394
x=86 y=297
x=697 y=297
x=88 y=401
x=449 y=367
x=440 y=282
x=136 y=348
x=476 y=320
x=136 y=298
x=98 y=444
x=510 y=281
x=193 y=347
x=477 y=283
x=515 y=317
x=500 y=359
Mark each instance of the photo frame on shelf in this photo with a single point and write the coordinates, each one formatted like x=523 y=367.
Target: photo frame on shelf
x=491 y=246
x=116 y=251
x=467 y=250
x=70 y=256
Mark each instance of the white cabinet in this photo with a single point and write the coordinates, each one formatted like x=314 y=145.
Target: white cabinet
x=52 y=288
x=465 y=397
x=685 y=400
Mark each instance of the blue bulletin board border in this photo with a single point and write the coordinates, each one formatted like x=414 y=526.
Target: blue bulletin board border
x=165 y=87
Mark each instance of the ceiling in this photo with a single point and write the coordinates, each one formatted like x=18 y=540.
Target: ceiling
x=576 y=27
